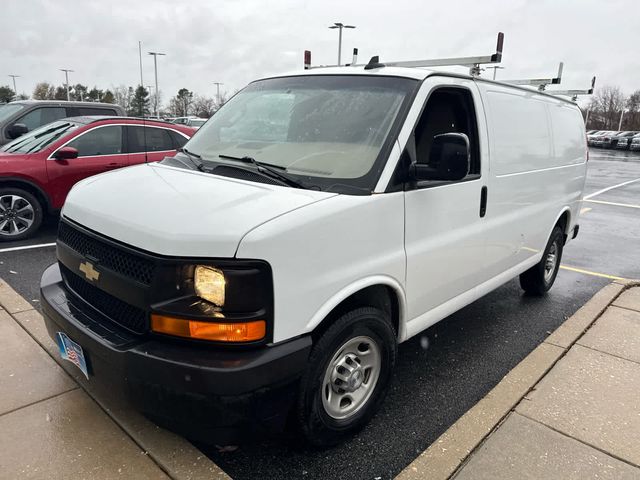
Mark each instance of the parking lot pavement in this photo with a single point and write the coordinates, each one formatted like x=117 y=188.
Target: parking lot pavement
x=466 y=355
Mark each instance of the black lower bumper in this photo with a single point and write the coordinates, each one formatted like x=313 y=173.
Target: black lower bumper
x=204 y=393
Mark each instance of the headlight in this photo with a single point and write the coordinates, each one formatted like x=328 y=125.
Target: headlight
x=210 y=284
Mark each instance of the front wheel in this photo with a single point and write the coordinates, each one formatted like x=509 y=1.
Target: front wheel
x=346 y=380
x=539 y=278
x=20 y=214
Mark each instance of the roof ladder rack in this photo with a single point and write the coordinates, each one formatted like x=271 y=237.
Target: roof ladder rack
x=574 y=93
x=472 y=62
x=541 y=83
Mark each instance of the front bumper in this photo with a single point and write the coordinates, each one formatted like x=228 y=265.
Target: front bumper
x=201 y=391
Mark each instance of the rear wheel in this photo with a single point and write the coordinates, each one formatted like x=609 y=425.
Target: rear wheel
x=20 y=214
x=539 y=278
x=346 y=380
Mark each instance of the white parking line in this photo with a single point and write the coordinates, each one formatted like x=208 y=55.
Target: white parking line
x=610 y=188
x=27 y=247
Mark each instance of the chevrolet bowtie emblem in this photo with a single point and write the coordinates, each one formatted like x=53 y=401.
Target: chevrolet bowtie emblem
x=91 y=273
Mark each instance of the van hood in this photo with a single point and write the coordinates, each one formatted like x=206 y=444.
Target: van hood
x=177 y=212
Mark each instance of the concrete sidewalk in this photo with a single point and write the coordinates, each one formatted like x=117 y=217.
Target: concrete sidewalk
x=54 y=424
x=570 y=410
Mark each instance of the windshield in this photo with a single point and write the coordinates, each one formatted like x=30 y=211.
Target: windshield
x=327 y=129
x=9 y=109
x=39 y=138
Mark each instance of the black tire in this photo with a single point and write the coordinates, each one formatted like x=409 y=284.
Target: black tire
x=7 y=232
x=538 y=279
x=318 y=427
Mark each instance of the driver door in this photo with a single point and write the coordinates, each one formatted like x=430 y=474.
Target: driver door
x=99 y=149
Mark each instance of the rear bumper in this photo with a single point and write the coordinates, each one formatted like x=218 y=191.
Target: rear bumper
x=204 y=393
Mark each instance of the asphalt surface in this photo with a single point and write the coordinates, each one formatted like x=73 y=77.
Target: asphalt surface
x=446 y=370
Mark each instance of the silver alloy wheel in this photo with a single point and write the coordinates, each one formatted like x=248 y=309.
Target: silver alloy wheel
x=550 y=262
x=16 y=215
x=351 y=377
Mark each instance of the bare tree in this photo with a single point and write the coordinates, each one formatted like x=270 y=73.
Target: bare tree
x=123 y=96
x=632 y=117
x=203 y=106
x=606 y=107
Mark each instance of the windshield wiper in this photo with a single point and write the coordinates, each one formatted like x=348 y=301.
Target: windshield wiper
x=194 y=157
x=268 y=170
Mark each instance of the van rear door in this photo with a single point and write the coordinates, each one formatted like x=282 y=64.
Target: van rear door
x=444 y=232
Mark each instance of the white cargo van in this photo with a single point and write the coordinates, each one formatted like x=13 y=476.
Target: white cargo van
x=319 y=219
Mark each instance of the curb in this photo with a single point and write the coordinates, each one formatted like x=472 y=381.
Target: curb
x=176 y=456
x=444 y=457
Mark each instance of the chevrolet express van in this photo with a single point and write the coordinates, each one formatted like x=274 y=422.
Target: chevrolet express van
x=320 y=218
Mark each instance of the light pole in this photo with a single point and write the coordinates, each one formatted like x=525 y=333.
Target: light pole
x=495 y=68
x=340 y=26
x=620 y=123
x=66 y=76
x=150 y=87
x=155 y=68
x=217 y=84
x=15 y=90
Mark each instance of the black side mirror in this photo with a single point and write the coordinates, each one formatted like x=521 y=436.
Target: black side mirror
x=17 y=130
x=449 y=160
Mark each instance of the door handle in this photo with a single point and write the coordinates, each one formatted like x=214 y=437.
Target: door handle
x=483 y=201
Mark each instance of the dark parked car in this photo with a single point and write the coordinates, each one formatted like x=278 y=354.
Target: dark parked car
x=623 y=140
x=18 y=118
x=611 y=141
x=38 y=169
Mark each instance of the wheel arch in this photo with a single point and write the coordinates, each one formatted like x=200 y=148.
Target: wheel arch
x=563 y=219
x=382 y=292
x=29 y=186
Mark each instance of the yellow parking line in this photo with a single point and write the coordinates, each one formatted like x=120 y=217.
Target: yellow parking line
x=595 y=274
x=613 y=203
x=585 y=210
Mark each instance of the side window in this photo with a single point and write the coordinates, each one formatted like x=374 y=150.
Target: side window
x=155 y=139
x=448 y=110
x=178 y=139
x=41 y=116
x=100 y=141
x=96 y=111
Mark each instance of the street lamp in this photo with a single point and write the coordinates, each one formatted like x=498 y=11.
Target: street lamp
x=15 y=90
x=66 y=76
x=340 y=26
x=495 y=68
x=155 y=67
x=217 y=84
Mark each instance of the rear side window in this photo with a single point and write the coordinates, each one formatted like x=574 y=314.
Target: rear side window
x=519 y=132
x=41 y=116
x=568 y=135
x=96 y=111
x=149 y=139
x=99 y=141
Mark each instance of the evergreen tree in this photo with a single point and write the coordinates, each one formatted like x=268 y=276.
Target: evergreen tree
x=139 y=103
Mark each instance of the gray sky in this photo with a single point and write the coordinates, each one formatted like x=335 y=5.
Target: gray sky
x=236 y=41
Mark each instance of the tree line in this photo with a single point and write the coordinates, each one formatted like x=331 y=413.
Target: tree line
x=137 y=101
x=608 y=105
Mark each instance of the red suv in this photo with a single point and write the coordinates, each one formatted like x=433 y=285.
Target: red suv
x=38 y=169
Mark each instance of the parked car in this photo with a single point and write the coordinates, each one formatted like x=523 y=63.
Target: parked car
x=20 y=117
x=195 y=122
x=592 y=136
x=599 y=138
x=635 y=143
x=269 y=271
x=623 y=140
x=38 y=169
x=182 y=120
x=611 y=141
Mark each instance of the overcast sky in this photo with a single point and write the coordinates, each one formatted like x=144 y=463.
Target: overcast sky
x=237 y=41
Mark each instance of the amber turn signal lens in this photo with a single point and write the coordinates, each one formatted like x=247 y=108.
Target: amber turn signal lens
x=219 y=332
